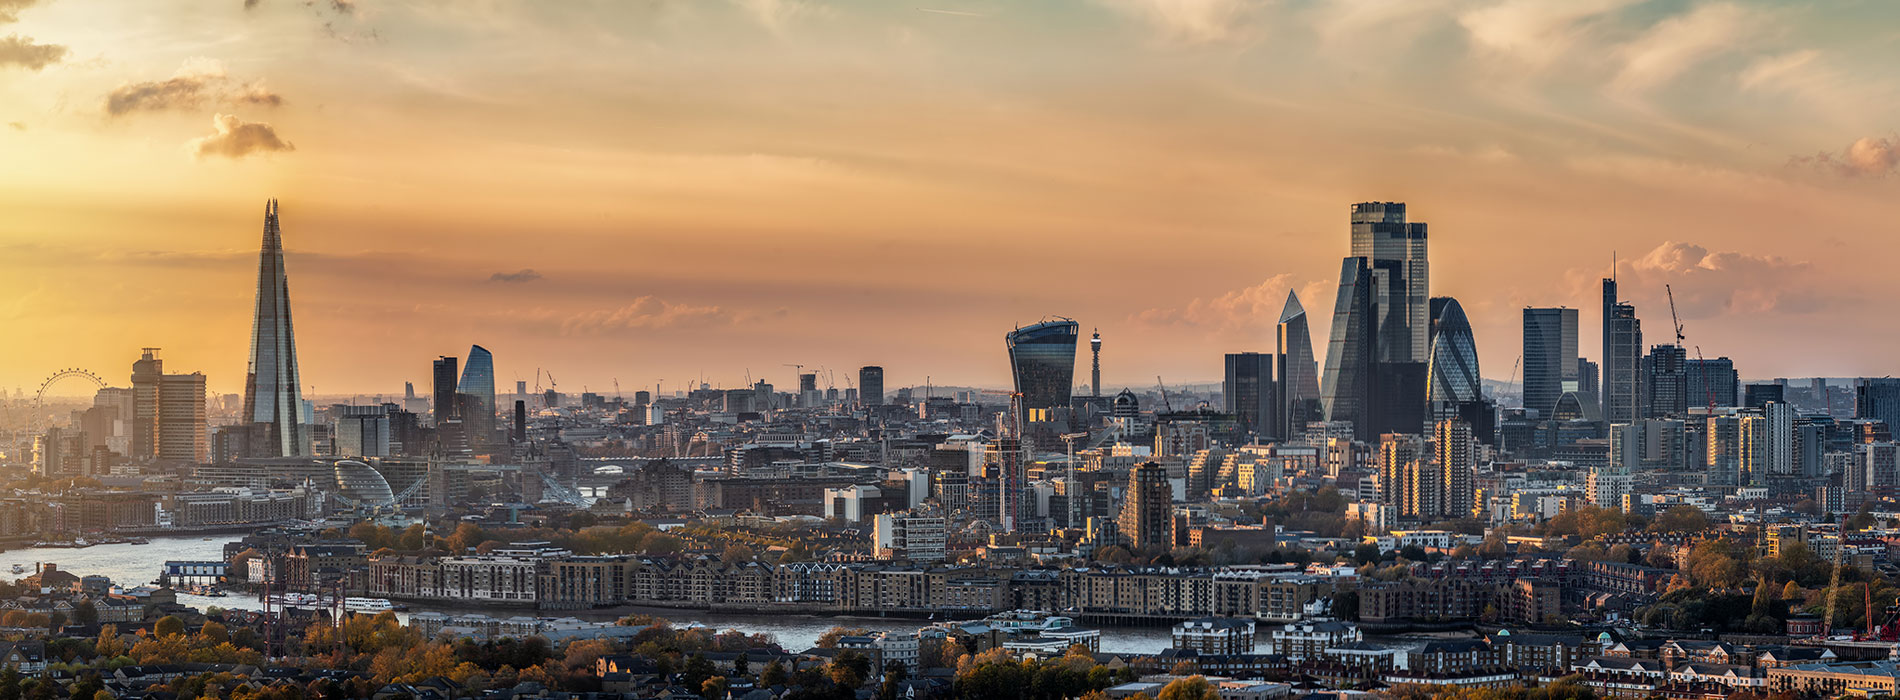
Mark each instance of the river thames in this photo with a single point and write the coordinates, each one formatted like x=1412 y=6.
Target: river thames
x=132 y=565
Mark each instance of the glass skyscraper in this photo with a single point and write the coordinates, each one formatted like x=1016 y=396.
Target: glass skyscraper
x=1248 y=392
x=1346 y=385
x=477 y=391
x=1550 y=357
x=1622 y=355
x=272 y=400
x=1298 y=381
x=1042 y=360
x=1380 y=234
x=1452 y=377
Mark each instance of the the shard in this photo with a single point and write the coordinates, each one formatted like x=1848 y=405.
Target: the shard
x=272 y=403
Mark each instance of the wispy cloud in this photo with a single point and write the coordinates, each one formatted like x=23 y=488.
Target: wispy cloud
x=1196 y=21
x=1680 y=43
x=522 y=275
x=199 y=80
x=1535 y=32
x=236 y=138
x=646 y=313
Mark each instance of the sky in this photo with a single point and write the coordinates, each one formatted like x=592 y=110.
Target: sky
x=667 y=190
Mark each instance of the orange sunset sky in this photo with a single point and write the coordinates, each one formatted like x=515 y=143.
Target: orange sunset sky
x=648 y=189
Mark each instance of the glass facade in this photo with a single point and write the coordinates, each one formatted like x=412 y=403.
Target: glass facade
x=1453 y=377
x=1042 y=359
x=1298 y=382
x=1248 y=391
x=1345 y=385
x=478 y=386
x=1550 y=357
x=272 y=399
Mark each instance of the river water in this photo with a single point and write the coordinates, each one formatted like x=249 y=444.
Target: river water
x=131 y=565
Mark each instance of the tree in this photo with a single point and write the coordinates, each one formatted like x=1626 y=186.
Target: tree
x=86 y=613
x=1680 y=519
x=9 y=684
x=1182 y=668
x=741 y=666
x=214 y=633
x=1191 y=688
x=713 y=688
x=774 y=674
x=1792 y=591
x=168 y=626
x=698 y=670
x=109 y=645
x=849 y=669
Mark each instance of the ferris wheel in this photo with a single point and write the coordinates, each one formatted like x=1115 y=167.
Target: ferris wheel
x=70 y=373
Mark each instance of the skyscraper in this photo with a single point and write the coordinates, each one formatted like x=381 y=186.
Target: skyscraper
x=1713 y=381
x=1380 y=233
x=1249 y=392
x=871 y=385
x=1042 y=361
x=1298 y=379
x=1452 y=377
x=1346 y=386
x=1550 y=357
x=1452 y=437
x=272 y=396
x=477 y=393
x=1878 y=399
x=1665 y=382
x=1622 y=352
x=147 y=373
x=181 y=418
x=443 y=378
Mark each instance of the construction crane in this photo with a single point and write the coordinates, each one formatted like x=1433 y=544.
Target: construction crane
x=1513 y=379
x=1834 y=587
x=553 y=387
x=616 y=390
x=1673 y=318
x=1165 y=404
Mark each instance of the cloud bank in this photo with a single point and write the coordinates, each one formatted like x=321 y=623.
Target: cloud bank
x=236 y=138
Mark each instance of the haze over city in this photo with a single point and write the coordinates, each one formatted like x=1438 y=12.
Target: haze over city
x=670 y=190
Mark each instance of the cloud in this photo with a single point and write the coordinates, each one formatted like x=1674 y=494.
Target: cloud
x=1249 y=311
x=198 y=80
x=1866 y=157
x=775 y=14
x=1195 y=21
x=1680 y=43
x=1535 y=32
x=1709 y=283
x=645 y=313
x=17 y=126
x=16 y=50
x=522 y=275
x=236 y=138
x=10 y=9
x=248 y=4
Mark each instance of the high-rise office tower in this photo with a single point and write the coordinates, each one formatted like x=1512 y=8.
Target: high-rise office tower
x=477 y=393
x=1586 y=384
x=1758 y=395
x=1878 y=399
x=1249 y=392
x=521 y=388
x=1346 y=386
x=1380 y=233
x=871 y=385
x=1622 y=352
x=147 y=373
x=1042 y=361
x=273 y=400
x=1724 y=454
x=443 y=375
x=1550 y=357
x=1665 y=384
x=1298 y=379
x=362 y=431
x=1452 y=377
x=1456 y=463
x=1095 y=364
x=1397 y=453
x=1713 y=381
x=1147 y=517
x=181 y=418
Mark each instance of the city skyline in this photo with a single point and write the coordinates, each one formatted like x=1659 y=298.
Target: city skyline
x=1740 y=152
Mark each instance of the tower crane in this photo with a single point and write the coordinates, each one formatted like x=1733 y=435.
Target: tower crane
x=1834 y=587
x=616 y=390
x=1673 y=318
x=1165 y=404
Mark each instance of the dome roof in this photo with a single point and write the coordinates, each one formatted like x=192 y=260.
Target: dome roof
x=361 y=483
